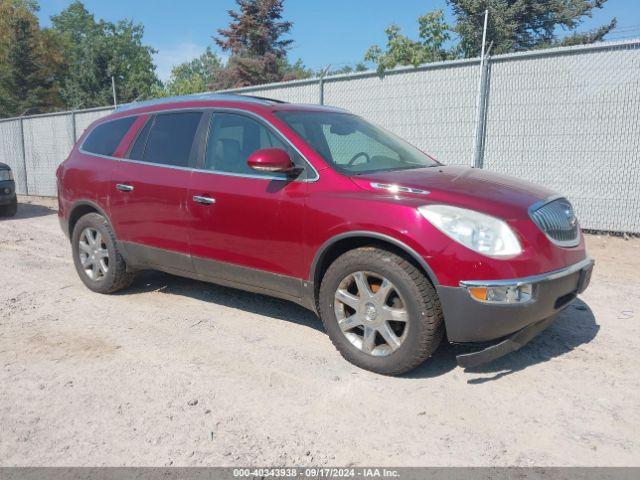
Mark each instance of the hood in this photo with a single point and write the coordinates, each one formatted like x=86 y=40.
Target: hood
x=493 y=193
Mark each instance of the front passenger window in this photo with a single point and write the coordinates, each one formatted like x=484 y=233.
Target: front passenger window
x=233 y=138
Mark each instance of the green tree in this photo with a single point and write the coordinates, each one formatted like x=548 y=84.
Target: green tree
x=295 y=71
x=194 y=76
x=130 y=62
x=434 y=33
x=254 y=40
x=341 y=69
x=358 y=67
x=98 y=50
x=518 y=25
x=514 y=25
x=28 y=72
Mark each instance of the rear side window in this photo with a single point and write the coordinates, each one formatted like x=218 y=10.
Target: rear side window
x=105 y=138
x=167 y=139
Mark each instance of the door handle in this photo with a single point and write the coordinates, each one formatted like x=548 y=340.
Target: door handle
x=124 y=188
x=204 y=200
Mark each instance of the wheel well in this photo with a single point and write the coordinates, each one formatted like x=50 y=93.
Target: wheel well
x=350 y=243
x=77 y=213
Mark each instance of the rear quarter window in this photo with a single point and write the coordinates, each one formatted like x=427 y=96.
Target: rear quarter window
x=105 y=138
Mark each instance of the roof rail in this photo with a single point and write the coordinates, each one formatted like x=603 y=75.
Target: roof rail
x=266 y=99
x=200 y=96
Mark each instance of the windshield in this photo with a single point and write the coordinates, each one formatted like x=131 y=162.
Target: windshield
x=352 y=145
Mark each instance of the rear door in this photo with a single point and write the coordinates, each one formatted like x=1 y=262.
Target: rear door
x=247 y=225
x=148 y=196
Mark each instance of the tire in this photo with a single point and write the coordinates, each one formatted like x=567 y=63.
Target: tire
x=104 y=247
x=414 y=339
x=9 y=210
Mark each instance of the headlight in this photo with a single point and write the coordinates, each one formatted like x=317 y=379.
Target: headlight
x=501 y=294
x=6 y=175
x=482 y=233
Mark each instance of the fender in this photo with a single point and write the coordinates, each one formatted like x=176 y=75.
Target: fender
x=376 y=236
x=64 y=222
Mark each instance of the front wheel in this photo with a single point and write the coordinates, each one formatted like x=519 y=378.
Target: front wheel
x=97 y=259
x=380 y=311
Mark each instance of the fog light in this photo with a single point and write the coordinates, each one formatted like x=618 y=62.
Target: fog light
x=7 y=191
x=502 y=294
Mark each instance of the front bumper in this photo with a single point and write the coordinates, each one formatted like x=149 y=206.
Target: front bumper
x=7 y=192
x=468 y=320
x=503 y=347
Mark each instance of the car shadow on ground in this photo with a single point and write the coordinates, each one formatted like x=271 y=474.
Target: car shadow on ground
x=30 y=210
x=574 y=326
x=148 y=281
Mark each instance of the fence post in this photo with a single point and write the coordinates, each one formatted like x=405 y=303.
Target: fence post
x=73 y=125
x=321 y=87
x=478 y=147
x=24 y=157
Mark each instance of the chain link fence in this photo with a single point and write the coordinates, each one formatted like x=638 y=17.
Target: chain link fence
x=567 y=118
x=34 y=146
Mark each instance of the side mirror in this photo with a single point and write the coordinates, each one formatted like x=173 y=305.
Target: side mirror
x=271 y=160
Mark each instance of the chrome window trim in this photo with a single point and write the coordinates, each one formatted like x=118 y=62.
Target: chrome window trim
x=99 y=155
x=248 y=175
x=533 y=279
x=542 y=203
x=199 y=170
x=315 y=178
x=151 y=164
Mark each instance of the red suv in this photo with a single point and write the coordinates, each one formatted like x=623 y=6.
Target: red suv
x=312 y=204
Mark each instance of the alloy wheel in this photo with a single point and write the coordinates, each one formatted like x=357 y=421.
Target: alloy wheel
x=93 y=253
x=371 y=313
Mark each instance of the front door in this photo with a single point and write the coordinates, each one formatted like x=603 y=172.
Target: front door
x=148 y=198
x=247 y=225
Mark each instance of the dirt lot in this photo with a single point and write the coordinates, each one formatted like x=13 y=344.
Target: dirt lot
x=178 y=372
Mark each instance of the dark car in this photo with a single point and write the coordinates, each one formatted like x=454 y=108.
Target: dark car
x=392 y=249
x=8 y=199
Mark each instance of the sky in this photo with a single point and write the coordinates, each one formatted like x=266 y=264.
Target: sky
x=335 y=32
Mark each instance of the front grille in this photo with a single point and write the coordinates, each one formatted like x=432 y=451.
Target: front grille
x=558 y=221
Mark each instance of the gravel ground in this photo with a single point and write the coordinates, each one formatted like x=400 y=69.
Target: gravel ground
x=179 y=372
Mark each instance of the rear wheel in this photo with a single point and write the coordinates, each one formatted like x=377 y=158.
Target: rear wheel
x=97 y=259
x=380 y=311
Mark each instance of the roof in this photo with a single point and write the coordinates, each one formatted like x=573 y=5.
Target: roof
x=224 y=97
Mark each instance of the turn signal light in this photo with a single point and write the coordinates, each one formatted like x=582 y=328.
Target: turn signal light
x=479 y=293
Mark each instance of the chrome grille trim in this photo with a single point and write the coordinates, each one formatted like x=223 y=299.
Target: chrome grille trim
x=588 y=262
x=557 y=220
